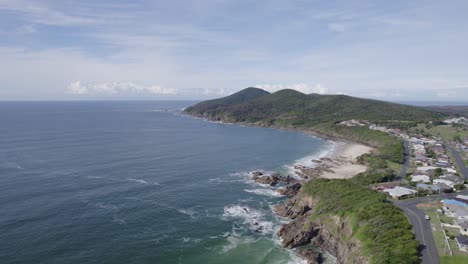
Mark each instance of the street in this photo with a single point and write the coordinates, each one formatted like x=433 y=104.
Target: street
x=406 y=160
x=459 y=161
x=422 y=228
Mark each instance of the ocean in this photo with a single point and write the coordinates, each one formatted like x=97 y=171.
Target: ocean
x=137 y=182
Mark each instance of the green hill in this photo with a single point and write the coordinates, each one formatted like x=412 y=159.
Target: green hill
x=211 y=106
x=292 y=108
x=318 y=113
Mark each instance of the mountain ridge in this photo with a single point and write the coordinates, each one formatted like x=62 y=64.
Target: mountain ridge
x=293 y=108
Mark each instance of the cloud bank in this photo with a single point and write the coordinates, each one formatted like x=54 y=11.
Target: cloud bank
x=117 y=88
x=301 y=87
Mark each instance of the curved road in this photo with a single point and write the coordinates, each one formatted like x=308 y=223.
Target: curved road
x=422 y=228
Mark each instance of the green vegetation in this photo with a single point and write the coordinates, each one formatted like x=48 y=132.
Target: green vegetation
x=319 y=113
x=446 y=132
x=294 y=109
x=456 y=259
x=389 y=148
x=377 y=171
x=383 y=229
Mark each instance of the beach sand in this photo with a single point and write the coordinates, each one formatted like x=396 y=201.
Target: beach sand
x=344 y=165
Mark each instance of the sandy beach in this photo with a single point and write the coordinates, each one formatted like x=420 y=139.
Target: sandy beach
x=341 y=164
x=345 y=160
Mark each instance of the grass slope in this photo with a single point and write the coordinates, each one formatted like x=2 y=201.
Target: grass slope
x=385 y=232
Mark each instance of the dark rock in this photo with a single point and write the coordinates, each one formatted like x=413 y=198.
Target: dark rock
x=273 y=179
x=257 y=173
x=311 y=256
x=298 y=232
x=290 y=190
x=292 y=208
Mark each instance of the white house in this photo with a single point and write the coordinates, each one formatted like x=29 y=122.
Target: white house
x=420 y=178
x=398 y=192
x=447 y=182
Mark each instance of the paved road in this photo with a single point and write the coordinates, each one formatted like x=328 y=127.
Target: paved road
x=406 y=160
x=459 y=161
x=422 y=228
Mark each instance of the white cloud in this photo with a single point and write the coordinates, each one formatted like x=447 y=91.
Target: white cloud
x=115 y=88
x=339 y=27
x=301 y=87
x=27 y=29
x=42 y=14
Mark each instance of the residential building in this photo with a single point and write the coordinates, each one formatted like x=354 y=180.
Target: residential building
x=399 y=192
x=462 y=242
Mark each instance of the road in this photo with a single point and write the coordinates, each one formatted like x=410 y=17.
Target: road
x=406 y=160
x=459 y=161
x=422 y=228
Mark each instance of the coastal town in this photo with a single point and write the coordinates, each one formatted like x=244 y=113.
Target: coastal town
x=434 y=175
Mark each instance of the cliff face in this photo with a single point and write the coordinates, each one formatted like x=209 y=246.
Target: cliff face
x=331 y=233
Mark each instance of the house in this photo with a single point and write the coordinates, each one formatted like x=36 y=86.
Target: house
x=462 y=242
x=378 y=128
x=459 y=210
x=421 y=158
x=443 y=181
x=451 y=177
x=399 y=192
x=444 y=187
x=426 y=168
x=429 y=188
x=462 y=197
x=450 y=170
x=442 y=164
x=351 y=123
x=456 y=120
x=420 y=178
x=385 y=185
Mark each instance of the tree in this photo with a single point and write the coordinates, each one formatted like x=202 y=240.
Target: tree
x=457 y=138
x=459 y=186
x=437 y=172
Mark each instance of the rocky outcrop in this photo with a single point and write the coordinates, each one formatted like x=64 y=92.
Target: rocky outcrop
x=273 y=179
x=333 y=234
x=293 y=207
x=290 y=190
x=312 y=256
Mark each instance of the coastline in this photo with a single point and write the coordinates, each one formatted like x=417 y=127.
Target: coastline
x=339 y=162
x=345 y=158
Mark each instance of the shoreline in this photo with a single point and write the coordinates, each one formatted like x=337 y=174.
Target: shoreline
x=340 y=162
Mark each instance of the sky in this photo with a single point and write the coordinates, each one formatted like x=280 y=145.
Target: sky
x=136 y=49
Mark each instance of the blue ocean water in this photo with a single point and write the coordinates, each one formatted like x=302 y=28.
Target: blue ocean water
x=136 y=182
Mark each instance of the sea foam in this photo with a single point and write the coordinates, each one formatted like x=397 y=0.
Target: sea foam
x=253 y=219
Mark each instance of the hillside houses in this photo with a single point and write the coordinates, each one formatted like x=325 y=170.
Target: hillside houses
x=353 y=122
x=457 y=120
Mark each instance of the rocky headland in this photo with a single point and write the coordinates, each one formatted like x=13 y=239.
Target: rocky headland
x=332 y=233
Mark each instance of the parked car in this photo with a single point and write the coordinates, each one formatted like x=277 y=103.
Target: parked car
x=427 y=217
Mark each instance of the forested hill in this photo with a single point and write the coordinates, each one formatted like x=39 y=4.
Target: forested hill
x=292 y=108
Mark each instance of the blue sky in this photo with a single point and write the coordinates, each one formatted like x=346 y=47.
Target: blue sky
x=390 y=50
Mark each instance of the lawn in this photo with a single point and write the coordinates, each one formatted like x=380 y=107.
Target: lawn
x=446 y=132
x=456 y=259
x=394 y=166
x=437 y=232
